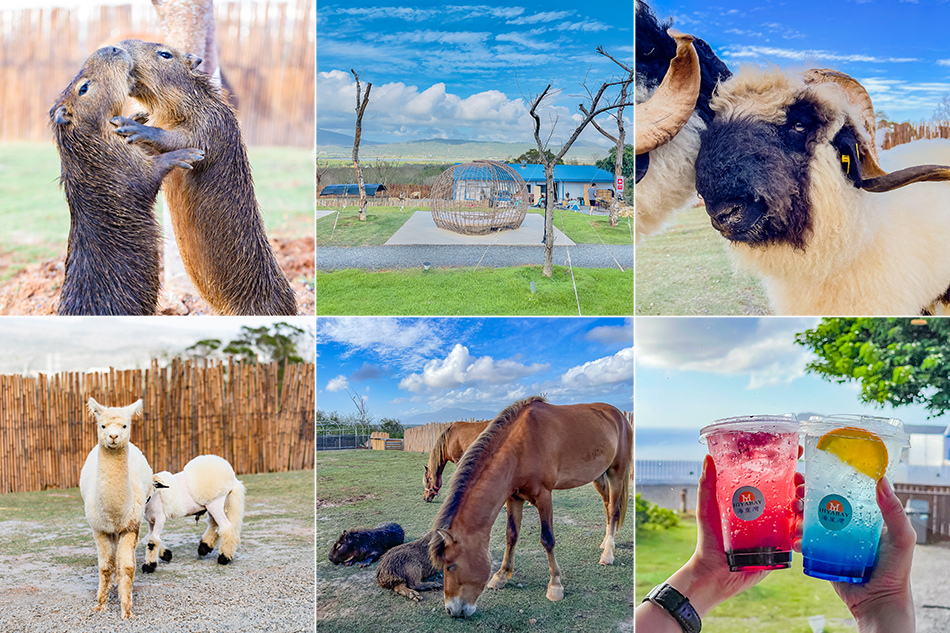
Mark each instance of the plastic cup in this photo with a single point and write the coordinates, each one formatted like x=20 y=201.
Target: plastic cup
x=842 y=523
x=755 y=459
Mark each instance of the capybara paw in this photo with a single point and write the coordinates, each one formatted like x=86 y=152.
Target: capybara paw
x=166 y=555
x=149 y=567
x=203 y=549
x=223 y=560
x=184 y=158
x=415 y=596
x=140 y=117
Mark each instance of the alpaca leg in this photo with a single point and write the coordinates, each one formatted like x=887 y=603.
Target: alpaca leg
x=515 y=508
x=154 y=548
x=125 y=565
x=546 y=511
x=226 y=530
x=105 y=546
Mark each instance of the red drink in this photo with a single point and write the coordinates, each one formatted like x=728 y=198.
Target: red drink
x=755 y=459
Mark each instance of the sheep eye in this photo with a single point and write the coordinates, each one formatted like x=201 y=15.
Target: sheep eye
x=165 y=54
x=83 y=89
x=799 y=127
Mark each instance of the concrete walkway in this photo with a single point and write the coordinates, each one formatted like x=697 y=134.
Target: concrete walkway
x=421 y=229
x=930 y=583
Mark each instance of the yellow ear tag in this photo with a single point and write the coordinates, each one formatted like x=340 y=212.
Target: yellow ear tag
x=847 y=161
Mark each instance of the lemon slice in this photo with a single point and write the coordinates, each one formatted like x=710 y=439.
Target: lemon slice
x=862 y=450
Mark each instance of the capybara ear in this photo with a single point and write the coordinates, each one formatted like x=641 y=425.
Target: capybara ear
x=192 y=60
x=61 y=116
x=94 y=407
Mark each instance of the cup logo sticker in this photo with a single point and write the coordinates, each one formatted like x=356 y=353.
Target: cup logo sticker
x=834 y=512
x=748 y=503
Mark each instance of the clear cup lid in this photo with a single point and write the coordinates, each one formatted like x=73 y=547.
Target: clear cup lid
x=890 y=429
x=786 y=423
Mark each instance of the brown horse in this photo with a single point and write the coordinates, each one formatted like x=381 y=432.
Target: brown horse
x=530 y=449
x=448 y=448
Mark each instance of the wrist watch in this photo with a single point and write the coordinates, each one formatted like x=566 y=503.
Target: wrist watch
x=677 y=605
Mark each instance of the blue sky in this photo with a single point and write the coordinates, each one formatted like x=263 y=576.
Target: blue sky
x=691 y=371
x=459 y=70
x=896 y=48
x=406 y=366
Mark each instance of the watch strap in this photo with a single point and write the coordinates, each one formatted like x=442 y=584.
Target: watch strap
x=677 y=605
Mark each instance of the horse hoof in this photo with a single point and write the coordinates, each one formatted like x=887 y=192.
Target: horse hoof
x=148 y=567
x=555 y=593
x=203 y=549
x=166 y=556
x=497 y=582
x=606 y=559
x=223 y=560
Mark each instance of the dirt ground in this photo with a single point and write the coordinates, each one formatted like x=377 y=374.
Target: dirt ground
x=34 y=290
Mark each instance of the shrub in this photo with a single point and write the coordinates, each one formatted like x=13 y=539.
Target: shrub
x=653 y=517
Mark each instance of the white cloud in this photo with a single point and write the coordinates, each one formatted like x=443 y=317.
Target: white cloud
x=603 y=371
x=766 y=52
x=540 y=18
x=407 y=342
x=612 y=334
x=459 y=368
x=338 y=384
x=587 y=26
x=943 y=62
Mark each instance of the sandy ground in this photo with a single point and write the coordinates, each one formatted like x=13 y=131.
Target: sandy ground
x=269 y=586
x=34 y=290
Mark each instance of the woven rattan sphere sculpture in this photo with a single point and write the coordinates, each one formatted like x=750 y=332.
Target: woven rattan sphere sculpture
x=479 y=197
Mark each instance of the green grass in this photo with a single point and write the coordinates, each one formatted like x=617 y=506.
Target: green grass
x=685 y=270
x=779 y=604
x=383 y=222
x=36 y=216
x=366 y=488
x=468 y=291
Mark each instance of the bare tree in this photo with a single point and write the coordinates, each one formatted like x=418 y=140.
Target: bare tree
x=942 y=111
x=360 y=109
x=597 y=105
x=620 y=139
x=321 y=172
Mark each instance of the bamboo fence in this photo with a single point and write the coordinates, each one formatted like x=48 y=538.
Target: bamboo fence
x=267 y=52
x=900 y=133
x=190 y=408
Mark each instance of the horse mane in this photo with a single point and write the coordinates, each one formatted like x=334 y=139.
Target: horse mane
x=475 y=458
x=438 y=451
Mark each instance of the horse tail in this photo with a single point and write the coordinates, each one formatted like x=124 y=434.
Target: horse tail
x=234 y=508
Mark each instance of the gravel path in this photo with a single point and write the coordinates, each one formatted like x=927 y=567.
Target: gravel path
x=395 y=257
x=931 y=586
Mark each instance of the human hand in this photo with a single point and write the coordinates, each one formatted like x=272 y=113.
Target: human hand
x=885 y=602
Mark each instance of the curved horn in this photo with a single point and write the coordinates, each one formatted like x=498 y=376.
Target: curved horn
x=660 y=118
x=876 y=179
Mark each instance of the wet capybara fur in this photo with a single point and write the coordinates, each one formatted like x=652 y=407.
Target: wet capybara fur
x=364 y=545
x=214 y=212
x=404 y=567
x=112 y=264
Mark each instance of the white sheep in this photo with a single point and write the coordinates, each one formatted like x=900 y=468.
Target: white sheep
x=789 y=172
x=115 y=483
x=206 y=483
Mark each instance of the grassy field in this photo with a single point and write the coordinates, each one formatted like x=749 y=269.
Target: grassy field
x=685 y=270
x=466 y=291
x=779 y=604
x=370 y=487
x=382 y=222
x=36 y=217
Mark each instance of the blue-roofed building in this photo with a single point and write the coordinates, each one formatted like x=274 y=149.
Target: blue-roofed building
x=570 y=181
x=372 y=191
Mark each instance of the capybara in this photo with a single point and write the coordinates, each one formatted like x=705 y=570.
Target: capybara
x=365 y=545
x=112 y=264
x=214 y=212
x=404 y=567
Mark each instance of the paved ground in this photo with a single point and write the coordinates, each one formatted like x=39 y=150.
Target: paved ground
x=421 y=229
x=443 y=256
x=931 y=586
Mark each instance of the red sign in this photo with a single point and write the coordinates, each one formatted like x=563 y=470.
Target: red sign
x=619 y=183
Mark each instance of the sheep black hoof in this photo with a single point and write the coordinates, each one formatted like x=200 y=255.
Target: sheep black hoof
x=203 y=549
x=223 y=560
x=148 y=567
x=167 y=555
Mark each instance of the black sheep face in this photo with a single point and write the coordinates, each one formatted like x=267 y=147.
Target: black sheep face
x=753 y=175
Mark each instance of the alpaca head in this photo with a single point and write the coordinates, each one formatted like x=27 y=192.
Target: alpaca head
x=114 y=424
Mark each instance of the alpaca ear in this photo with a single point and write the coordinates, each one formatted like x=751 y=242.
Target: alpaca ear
x=135 y=407
x=94 y=407
x=158 y=482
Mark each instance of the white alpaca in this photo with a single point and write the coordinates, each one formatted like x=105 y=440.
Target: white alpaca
x=206 y=483
x=115 y=483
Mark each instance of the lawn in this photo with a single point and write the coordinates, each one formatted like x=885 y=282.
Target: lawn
x=36 y=217
x=685 y=270
x=383 y=222
x=367 y=488
x=482 y=291
x=779 y=604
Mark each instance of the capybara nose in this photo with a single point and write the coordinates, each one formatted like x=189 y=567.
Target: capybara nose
x=198 y=61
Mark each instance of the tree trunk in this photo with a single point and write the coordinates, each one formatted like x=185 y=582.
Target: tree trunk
x=360 y=109
x=359 y=179
x=548 y=219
